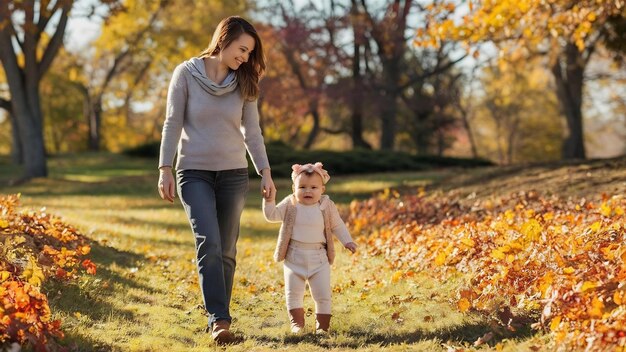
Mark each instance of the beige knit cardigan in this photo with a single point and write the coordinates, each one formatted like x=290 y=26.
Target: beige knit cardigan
x=333 y=224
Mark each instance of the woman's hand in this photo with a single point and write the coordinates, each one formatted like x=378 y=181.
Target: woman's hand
x=166 y=184
x=268 y=190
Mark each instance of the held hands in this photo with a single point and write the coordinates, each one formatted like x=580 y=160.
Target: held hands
x=166 y=184
x=268 y=190
x=351 y=246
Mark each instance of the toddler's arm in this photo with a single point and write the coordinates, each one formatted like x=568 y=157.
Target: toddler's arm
x=273 y=212
x=351 y=246
x=340 y=229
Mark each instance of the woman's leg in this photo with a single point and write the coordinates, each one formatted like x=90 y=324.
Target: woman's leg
x=231 y=188
x=197 y=193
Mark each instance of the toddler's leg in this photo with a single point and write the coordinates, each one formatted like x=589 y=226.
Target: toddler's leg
x=320 y=290
x=295 y=285
x=294 y=295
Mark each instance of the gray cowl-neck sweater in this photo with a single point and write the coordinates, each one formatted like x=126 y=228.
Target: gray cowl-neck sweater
x=209 y=124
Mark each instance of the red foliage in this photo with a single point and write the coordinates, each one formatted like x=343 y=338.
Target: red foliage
x=35 y=247
x=563 y=261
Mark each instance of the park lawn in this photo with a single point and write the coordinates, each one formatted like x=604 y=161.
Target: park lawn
x=145 y=295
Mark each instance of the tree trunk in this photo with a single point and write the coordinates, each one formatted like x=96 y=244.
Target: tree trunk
x=357 y=102
x=420 y=133
x=356 y=117
x=388 y=118
x=441 y=140
x=17 y=155
x=94 y=122
x=16 y=148
x=568 y=74
x=314 y=110
x=390 y=104
x=25 y=106
x=30 y=134
x=23 y=81
x=466 y=124
x=389 y=37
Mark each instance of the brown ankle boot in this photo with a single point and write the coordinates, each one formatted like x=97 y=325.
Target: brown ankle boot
x=296 y=316
x=322 y=323
x=221 y=332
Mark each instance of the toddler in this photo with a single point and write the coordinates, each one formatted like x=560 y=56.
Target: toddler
x=305 y=243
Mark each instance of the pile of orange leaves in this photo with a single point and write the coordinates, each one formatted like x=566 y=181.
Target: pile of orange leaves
x=557 y=264
x=34 y=246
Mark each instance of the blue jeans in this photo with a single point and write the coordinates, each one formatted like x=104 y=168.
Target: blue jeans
x=214 y=201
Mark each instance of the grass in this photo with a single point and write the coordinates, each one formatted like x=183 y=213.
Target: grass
x=145 y=296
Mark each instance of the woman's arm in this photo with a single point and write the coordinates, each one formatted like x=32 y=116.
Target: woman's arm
x=268 y=189
x=172 y=128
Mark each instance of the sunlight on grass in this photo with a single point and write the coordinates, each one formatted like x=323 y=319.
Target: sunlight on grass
x=102 y=176
x=86 y=178
x=355 y=187
x=145 y=295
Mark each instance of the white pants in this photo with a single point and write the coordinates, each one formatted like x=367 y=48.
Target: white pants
x=304 y=263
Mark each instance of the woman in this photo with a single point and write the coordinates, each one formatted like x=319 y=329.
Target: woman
x=211 y=119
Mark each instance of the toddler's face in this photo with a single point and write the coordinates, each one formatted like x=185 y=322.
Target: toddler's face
x=308 y=188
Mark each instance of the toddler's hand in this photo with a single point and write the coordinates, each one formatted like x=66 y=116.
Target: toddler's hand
x=351 y=246
x=271 y=198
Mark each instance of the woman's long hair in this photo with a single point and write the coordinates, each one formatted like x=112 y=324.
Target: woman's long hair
x=249 y=73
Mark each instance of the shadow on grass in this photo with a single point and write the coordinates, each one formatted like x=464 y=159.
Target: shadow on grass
x=76 y=342
x=359 y=338
x=71 y=298
x=559 y=176
x=86 y=297
x=458 y=334
x=106 y=256
x=159 y=225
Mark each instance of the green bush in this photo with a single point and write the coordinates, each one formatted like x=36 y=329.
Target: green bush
x=356 y=161
x=147 y=150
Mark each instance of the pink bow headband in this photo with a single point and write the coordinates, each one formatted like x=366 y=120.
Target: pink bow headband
x=309 y=168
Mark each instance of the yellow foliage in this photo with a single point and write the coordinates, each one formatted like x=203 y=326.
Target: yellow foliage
x=468 y=242
x=617 y=297
x=396 y=276
x=554 y=324
x=548 y=216
x=596 y=309
x=605 y=210
x=529 y=21
x=545 y=283
x=532 y=230
x=587 y=285
x=497 y=254
x=33 y=273
x=595 y=227
x=441 y=258
x=464 y=304
x=4 y=275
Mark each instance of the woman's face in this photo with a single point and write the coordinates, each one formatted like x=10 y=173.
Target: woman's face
x=237 y=52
